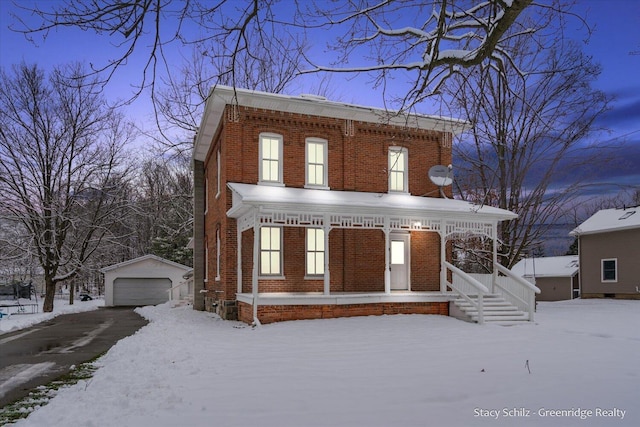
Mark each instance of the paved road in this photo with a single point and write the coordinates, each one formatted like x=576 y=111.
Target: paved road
x=39 y=354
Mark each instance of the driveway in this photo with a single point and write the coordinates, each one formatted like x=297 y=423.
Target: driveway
x=39 y=354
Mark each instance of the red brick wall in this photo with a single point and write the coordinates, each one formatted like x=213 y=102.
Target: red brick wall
x=356 y=162
x=279 y=313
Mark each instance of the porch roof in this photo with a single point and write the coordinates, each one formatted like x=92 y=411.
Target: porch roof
x=282 y=199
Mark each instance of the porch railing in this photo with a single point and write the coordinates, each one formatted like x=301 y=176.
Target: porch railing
x=516 y=290
x=513 y=288
x=465 y=285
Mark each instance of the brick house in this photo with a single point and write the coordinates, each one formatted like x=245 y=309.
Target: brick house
x=609 y=252
x=307 y=208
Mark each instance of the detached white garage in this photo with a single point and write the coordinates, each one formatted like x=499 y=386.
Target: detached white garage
x=147 y=280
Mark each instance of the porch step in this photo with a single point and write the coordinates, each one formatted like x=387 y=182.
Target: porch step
x=496 y=310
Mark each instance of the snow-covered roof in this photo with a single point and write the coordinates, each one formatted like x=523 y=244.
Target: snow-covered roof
x=609 y=220
x=220 y=96
x=141 y=259
x=557 y=266
x=249 y=196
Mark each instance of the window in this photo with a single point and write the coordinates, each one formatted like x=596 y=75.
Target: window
x=315 y=251
x=398 y=169
x=218 y=254
x=317 y=162
x=610 y=270
x=627 y=214
x=270 y=158
x=206 y=260
x=270 y=251
x=218 y=184
x=206 y=192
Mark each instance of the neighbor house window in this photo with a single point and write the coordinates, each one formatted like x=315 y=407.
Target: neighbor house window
x=610 y=270
x=270 y=158
x=270 y=251
x=315 y=251
x=316 y=162
x=398 y=169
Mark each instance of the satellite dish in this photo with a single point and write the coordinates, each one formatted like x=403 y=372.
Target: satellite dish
x=440 y=175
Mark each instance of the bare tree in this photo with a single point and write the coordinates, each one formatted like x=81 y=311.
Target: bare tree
x=431 y=41
x=60 y=150
x=531 y=118
x=163 y=208
x=180 y=102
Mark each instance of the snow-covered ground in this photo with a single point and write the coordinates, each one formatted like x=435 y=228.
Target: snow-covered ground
x=60 y=306
x=577 y=365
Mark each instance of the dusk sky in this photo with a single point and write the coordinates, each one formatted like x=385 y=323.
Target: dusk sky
x=615 y=44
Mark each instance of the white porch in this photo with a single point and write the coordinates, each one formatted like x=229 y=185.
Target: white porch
x=256 y=206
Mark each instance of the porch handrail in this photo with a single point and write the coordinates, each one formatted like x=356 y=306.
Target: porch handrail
x=517 y=278
x=482 y=289
x=530 y=290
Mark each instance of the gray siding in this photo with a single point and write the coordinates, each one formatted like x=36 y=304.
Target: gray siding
x=622 y=245
x=554 y=288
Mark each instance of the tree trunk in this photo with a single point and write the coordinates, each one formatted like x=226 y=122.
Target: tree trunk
x=49 y=294
x=72 y=290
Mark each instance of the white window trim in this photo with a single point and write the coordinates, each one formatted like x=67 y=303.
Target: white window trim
x=206 y=262
x=278 y=276
x=405 y=184
x=219 y=174
x=280 y=181
x=307 y=275
x=325 y=178
x=206 y=193
x=602 y=261
x=218 y=252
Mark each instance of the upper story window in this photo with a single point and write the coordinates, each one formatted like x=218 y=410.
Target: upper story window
x=398 y=169
x=316 y=163
x=218 y=175
x=270 y=158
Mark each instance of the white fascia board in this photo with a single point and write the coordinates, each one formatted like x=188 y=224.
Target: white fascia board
x=220 y=96
x=281 y=199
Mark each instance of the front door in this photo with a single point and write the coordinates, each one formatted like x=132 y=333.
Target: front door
x=399 y=261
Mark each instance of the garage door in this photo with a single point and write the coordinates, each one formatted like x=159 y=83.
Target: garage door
x=138 y=292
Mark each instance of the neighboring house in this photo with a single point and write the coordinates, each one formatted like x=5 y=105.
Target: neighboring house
x=307 y=208
x=609 y=251
x=147 y=280
x=557 y=277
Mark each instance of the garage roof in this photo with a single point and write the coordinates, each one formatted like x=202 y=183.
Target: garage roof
x=144 y=258
x=554 y=266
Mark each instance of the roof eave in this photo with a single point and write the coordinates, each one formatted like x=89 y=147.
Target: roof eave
x=220 y=96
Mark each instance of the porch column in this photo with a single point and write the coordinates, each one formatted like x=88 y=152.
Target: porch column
x=494 y=236
x=443 y=257
x=239 y=257
x=327 y=275
x=387 y=261
x=256 y=262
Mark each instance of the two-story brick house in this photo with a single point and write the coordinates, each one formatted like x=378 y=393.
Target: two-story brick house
x=306 y=208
